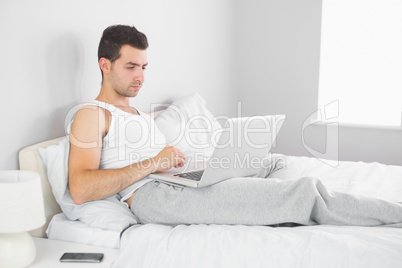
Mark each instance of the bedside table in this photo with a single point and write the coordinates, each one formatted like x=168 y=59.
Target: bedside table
x=48 y=253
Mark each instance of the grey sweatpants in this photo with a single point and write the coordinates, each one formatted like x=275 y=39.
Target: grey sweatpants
x=257 y=201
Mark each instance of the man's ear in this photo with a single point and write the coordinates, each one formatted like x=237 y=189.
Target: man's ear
x=105 y=65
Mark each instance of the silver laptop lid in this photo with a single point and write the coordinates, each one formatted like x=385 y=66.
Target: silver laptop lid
x=242 y=145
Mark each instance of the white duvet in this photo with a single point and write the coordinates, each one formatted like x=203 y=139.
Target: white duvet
x=155 y=245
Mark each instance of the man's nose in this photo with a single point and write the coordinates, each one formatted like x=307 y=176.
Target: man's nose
x=140 y=76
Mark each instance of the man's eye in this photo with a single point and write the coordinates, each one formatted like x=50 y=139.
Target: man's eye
x=130 y=68
x=144 y=68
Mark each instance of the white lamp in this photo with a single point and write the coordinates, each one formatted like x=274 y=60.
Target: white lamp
x=21 y=210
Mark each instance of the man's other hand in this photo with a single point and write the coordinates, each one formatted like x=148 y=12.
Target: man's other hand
x=169 y=157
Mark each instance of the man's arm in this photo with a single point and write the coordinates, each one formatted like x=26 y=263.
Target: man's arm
x=86 y=181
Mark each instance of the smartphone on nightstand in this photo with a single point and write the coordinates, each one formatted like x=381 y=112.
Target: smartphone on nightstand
x=81 y=257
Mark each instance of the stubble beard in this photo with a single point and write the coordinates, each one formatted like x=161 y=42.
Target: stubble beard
x=121 y=89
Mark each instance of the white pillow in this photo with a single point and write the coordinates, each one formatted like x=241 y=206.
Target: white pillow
x=188 y=125
x=61 y=228
x=109 y=213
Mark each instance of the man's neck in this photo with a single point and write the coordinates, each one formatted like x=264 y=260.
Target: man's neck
x=121 y=102
x=111 y=97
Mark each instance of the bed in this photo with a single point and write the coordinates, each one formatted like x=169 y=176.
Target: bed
x=154 y=245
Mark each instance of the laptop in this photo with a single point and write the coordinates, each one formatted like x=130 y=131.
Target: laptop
x=239 y=152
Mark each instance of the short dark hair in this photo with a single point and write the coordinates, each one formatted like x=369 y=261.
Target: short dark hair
x=116 y=36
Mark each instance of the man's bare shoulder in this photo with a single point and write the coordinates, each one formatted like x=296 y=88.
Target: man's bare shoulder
x=90 y=124
x=92 y=111
x=89 y=114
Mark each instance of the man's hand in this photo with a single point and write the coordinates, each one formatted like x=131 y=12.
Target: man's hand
x=169 y=157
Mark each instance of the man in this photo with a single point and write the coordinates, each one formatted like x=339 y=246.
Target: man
x=122 y=60
x=98 y=166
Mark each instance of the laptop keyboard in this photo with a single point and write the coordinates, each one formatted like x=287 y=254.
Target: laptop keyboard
x=194 y=175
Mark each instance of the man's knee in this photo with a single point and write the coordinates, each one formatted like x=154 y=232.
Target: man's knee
x=309 y=180
x=309 y=183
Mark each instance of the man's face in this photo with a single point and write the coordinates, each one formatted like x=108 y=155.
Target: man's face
x=127 y=72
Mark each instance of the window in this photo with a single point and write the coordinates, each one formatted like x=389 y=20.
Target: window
x=361 y=60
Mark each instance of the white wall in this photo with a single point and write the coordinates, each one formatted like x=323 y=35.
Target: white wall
x=279 y=67
x=280 y=56
x=49 y=55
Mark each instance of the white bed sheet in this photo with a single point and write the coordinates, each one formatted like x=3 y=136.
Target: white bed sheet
x=370 y=179
x=61 y=228
x=154 y=245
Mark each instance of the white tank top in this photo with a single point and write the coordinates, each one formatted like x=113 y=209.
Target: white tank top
x=130 y=139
